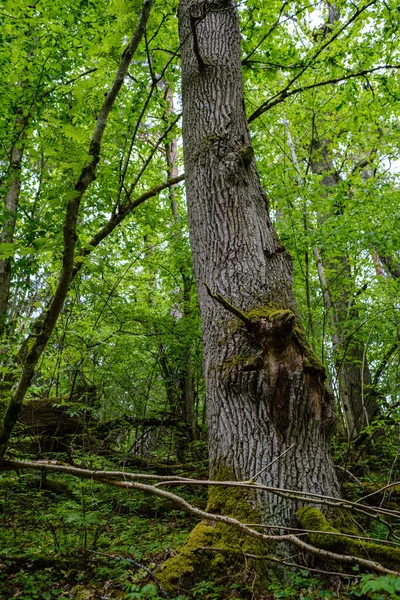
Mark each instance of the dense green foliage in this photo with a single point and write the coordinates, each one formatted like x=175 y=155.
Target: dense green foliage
x=322 y=95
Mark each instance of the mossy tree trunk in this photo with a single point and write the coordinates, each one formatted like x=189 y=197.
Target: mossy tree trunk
x=265 y=388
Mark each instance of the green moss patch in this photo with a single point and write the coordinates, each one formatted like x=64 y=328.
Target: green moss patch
x=214 y=549
x=312 y=519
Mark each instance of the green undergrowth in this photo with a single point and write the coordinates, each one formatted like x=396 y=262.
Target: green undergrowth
x=63 y=537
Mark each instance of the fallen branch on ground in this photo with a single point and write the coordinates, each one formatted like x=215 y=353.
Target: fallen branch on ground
x=202 y=514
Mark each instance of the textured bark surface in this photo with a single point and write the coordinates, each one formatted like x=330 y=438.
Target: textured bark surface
x=354 y=377
x=11 y=200
x=265 y=389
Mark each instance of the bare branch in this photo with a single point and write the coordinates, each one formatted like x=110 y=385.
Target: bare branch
x=116 y=219
x=202 y=514
x=228 y=306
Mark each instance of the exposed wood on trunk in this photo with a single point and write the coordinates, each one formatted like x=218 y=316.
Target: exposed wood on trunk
x=265 y=391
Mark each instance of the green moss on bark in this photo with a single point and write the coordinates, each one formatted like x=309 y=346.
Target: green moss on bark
x=268 y=312
x=214 y=549
x=312 y=519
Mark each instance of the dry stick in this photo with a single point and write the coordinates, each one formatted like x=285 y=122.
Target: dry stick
x=79 y=471
x=229 y=307
x=156 y=491
x=35 y=344
x=272 y=462
x=369 y=564
x=332 y=533
x=385 y=487
x=268 y=557
x=295 y=494
x=270 y=30
x=149 y=158
x=166 y=480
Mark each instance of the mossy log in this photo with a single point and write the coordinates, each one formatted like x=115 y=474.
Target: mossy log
x=312 y=519
x=59 y=415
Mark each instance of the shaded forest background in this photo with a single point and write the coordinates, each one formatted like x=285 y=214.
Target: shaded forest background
x=119 y=384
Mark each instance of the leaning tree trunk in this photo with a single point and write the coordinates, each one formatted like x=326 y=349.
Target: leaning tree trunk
x=265 y=388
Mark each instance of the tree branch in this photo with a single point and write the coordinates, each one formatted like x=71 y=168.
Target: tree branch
x=116 y=219
x=34 y=346
x=202 y=514
x=284 y=94
x=229 y=307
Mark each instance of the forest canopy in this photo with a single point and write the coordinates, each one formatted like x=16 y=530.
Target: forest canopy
x=199 y=287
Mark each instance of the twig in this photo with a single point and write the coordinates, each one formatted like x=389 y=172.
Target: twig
x=268 y=557
x=294 y=494
x=202 y=514
x=137 y=564
x=272 y=462
x=284 y=94
x=350 y=474
x=382 y=489
x=229 y=307
x=332 y=533
x=304 y=496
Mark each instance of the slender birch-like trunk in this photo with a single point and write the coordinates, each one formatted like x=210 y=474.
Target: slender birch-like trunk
x=11 y=201
x=34 y=346
x=354 y=377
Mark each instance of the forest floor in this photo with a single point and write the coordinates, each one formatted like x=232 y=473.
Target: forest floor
x=63 y=537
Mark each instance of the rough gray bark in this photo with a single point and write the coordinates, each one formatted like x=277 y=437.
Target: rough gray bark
x=265 y=389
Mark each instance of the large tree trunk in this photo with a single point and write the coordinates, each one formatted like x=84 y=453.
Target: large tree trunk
x=265 y=388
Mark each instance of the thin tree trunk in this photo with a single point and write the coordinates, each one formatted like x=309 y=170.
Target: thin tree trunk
x=265 y=387
x=44 y=325
x=339 y=298
x=11 y=201
x=185 y=401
